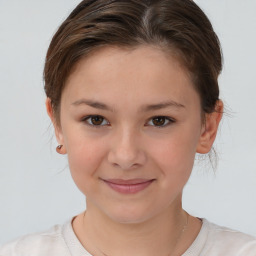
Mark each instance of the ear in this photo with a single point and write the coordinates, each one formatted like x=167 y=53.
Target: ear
x=57 y=128
x=209 y=129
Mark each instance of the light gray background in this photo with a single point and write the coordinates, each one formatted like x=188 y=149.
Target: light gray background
x=36 y=190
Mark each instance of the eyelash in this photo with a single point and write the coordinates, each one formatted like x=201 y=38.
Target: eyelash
x=169 y=119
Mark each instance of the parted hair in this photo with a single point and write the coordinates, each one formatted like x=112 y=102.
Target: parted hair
x=178 y=27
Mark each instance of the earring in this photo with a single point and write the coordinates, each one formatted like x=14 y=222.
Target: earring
x=58 y=149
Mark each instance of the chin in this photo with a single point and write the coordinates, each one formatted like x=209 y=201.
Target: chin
x=129 y=215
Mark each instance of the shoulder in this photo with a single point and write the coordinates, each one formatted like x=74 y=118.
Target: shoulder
x=225 y=241
x=49 y=242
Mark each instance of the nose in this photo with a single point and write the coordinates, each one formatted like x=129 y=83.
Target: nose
x=126 y=151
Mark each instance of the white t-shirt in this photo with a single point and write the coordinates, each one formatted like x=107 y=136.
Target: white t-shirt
x=61 y=240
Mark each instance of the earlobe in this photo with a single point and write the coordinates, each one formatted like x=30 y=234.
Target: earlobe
x=61 y=150
x=57 y=128
x=209 y=129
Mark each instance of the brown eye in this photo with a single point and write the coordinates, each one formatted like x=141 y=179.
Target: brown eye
x=96 y=120
x=160 y=121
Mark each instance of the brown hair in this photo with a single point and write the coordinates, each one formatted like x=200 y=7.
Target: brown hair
x=178 y=26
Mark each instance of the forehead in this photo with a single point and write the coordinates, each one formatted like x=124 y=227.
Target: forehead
x=145 y=73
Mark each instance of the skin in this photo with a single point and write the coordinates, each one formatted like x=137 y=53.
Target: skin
x=129 y=145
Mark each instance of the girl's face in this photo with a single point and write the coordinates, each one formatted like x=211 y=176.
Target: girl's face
x=131 y=125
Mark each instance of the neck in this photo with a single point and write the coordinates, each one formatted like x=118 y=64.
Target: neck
x=159 y=235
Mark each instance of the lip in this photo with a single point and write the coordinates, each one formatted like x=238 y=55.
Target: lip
x=128 y=186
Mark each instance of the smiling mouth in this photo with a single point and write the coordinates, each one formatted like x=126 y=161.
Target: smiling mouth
x=128 y=186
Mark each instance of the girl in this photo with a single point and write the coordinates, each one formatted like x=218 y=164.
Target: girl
x=133 y=95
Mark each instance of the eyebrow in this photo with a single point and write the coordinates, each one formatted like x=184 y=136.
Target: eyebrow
x=145 y=108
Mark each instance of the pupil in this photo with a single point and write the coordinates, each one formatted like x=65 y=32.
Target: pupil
x=97 y=120
x=159 y=121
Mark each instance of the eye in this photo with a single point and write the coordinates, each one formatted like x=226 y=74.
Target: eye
x=96 y=120
x=160 y=121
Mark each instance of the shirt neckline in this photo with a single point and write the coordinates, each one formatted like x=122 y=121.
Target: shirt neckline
x=76 y=248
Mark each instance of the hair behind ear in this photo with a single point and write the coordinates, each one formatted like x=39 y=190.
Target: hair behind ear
x=210 y=129
x=57 y=128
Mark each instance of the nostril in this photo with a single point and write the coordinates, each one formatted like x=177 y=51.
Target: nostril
x=126 y=154
x=126 y=166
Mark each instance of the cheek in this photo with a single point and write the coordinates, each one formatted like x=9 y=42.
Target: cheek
x=84 y=157
x=175 y=154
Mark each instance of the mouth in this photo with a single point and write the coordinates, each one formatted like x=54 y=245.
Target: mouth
x=128 y=186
